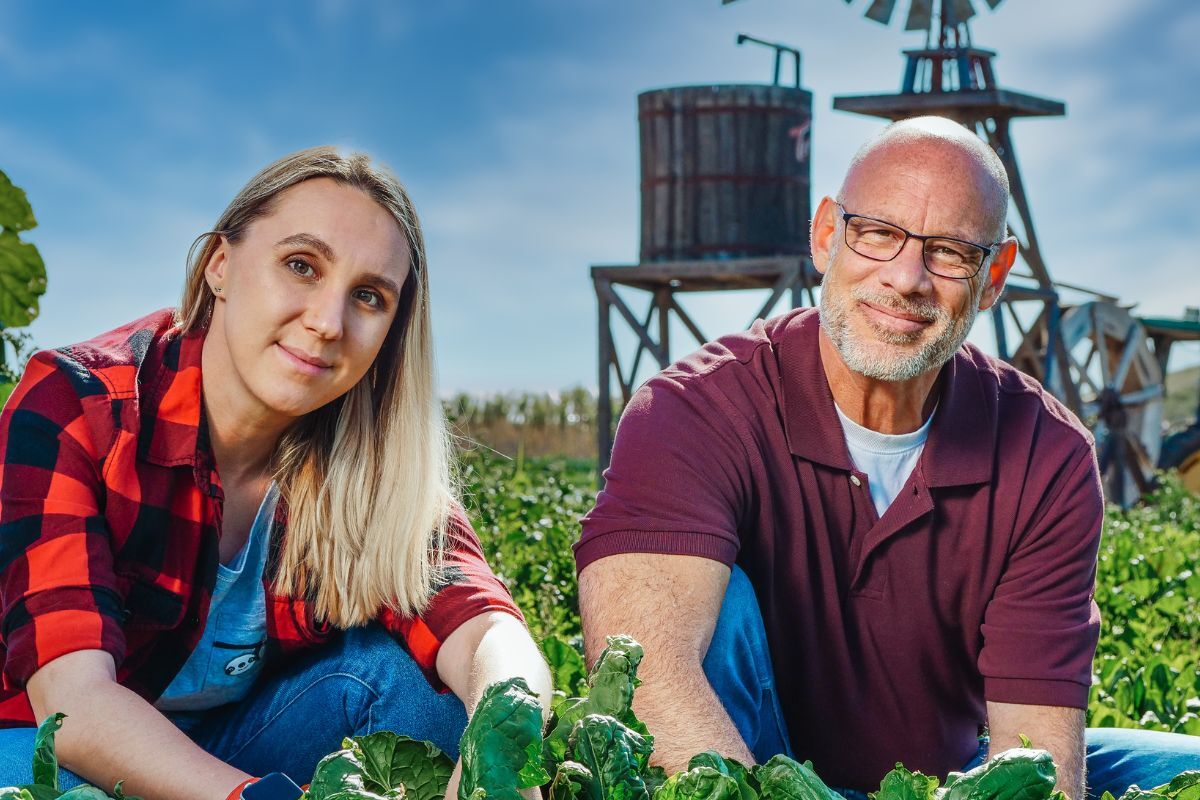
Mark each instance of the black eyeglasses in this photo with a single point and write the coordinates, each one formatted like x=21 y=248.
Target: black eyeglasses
x=943 y=255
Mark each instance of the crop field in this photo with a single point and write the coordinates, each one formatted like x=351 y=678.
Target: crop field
x=1148 y=586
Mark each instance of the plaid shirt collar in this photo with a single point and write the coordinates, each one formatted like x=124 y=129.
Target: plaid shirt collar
x=174 y=431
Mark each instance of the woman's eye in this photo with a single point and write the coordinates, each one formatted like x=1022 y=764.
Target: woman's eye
x=301 y=267
x=370 y=297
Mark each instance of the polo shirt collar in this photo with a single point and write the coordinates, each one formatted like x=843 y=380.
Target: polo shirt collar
x=960 y=446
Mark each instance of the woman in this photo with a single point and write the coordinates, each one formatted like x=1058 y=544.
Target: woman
x=228 y=534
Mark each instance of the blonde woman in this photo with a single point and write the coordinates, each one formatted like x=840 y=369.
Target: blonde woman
x=228 y=534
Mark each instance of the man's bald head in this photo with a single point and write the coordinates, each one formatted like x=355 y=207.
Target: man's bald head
x=942 y=146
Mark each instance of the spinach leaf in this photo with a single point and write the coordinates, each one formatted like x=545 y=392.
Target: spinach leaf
x=502 y=745
x=782 y=778
x=342 y=776
x=698 y=783
x=390 y=761
x=615 y=755
x=1185 y=786
x=15 y=793
x=610 y=692
x=900 y=784
x=45 y=764
x=84 y=792
x=747 y=788
x=570 y=779
x=1016 y=774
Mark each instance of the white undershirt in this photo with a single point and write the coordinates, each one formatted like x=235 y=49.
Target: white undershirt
x=887 y=459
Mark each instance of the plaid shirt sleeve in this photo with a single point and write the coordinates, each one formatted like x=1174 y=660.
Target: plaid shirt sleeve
x=58 y=592
x=469 y=589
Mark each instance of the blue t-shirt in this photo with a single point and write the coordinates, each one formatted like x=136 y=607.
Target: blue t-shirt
x=229 y=656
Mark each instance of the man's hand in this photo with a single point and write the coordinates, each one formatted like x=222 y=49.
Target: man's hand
x=669 y=604
x=1053 y=728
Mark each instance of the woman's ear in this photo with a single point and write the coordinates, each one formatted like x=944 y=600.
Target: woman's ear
x=215 y=269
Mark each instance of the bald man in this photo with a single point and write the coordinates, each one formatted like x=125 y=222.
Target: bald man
x=844 y=534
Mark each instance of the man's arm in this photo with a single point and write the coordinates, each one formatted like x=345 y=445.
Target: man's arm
x=1053 y=728
x=669 y=604
x=487 y=648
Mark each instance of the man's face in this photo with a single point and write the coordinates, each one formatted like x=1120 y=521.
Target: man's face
x=894 y=320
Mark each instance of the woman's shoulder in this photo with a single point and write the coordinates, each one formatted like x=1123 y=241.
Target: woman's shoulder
x=84 y=380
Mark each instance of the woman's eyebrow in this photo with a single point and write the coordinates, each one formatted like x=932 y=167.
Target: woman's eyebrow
x=322 y=247
x=308 y=240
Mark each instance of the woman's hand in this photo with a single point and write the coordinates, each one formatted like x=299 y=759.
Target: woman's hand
x=488 y=648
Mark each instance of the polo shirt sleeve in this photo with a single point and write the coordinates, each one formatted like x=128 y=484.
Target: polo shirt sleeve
x=58 y=592
x=469 y=588
x=677 y=480
x=1041 y=627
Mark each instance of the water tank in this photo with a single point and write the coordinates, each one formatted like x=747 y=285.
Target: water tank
x=725 y=171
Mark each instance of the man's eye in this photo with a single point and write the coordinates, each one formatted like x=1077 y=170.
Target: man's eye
x=301 y=267
x=880 y=234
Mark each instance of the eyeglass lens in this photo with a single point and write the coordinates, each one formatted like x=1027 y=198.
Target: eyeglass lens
x=882 y=242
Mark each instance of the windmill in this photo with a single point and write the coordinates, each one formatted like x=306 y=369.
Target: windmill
x=1091 y=353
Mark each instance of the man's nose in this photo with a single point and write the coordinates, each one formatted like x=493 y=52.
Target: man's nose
x=906 y=273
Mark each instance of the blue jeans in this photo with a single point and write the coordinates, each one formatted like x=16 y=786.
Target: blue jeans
x=738 y=665
x=361 y=682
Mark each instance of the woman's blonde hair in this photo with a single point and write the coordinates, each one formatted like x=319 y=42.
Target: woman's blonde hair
x=366 y=478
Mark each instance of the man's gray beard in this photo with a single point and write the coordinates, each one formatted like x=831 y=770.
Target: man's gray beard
x=861 y=357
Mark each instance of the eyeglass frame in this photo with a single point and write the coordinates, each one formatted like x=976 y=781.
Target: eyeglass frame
x=987 y=249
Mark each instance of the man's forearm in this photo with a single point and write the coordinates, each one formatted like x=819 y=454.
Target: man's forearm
x=681 y=710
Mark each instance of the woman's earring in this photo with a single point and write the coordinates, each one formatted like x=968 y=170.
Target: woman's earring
x=216 y=289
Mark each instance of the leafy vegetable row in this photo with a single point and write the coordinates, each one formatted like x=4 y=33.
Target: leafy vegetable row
x=595 y=748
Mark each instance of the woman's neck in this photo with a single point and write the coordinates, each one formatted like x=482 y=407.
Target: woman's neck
x=242 y=432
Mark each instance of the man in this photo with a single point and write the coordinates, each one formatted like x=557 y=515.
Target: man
x=918 y=522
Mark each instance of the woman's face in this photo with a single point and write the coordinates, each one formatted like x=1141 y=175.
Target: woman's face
x=306 y=299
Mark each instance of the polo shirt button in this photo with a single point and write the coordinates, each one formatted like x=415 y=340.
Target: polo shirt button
x=854 y=479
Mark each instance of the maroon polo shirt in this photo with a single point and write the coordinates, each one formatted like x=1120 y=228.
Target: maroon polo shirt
x=887 y=635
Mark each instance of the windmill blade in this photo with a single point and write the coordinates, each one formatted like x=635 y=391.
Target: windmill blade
x=956 y=11
x=920 y=14
x=881 y=11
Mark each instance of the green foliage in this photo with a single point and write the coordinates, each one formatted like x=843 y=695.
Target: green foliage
x=502 y=746
x=610 y=694
x=45 y=764
x=781 y=778
x=1148 y=590
x=699 y=783
x=45 y=768
x=900 y=784
x=22 y=271
x=614 y=756
x=1017 y=774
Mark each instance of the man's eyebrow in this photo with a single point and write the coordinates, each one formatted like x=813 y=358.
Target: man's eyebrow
x=308 y=240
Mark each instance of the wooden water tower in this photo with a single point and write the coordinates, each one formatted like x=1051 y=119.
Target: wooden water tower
x=725 y=205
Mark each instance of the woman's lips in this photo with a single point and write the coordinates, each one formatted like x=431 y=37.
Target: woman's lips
x=302 y=362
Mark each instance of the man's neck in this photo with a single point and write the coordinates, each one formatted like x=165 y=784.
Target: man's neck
x=890 y=407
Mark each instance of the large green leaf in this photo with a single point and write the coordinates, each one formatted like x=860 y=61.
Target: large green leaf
x=502 y=745
x=1184 y=786
x=22 y=281
x=900 y=784
x=747 y=787
x=782 y=778
x=45 y=764
x=698 y=783
x=15 y=212
x=390 y=761
x=615 y=756
x=1017 y=774
x=610 y=693
x=566 y=665
x=571 y=778
x=84 y=792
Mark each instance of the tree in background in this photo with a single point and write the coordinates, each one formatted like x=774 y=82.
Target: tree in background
x=22 y=281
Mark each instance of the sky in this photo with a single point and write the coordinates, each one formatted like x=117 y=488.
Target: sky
x=131 y=125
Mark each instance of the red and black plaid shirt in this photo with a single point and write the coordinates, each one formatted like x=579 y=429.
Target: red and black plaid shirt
x=110 y=510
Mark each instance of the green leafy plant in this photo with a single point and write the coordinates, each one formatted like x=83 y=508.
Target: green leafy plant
x=383 y=765
x=502 y=745
x=22 y=279
x=45 y=784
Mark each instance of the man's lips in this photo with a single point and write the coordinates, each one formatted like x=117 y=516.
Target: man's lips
x=894 y=319
x=303 y=361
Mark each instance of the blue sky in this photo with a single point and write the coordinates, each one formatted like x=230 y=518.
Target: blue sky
x=130 y=125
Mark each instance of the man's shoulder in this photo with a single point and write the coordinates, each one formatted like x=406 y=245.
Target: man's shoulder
x=740 y=359
x=1022 y=400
